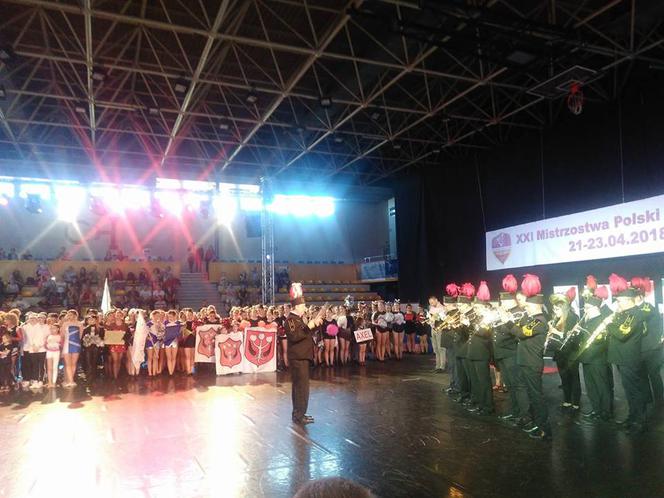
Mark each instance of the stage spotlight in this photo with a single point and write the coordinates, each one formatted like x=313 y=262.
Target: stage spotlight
x=33 y=204
x=325 y=102
x=97 y=206
x=98 y=74
x=70 y=198
x=153 y=111
x=4 y=200
x=396 y=146
x=322 y=206
x=223 y=126
x=225 y=208
x=171 y=200
x=251 y=98
x=80 y=109
x=134 y=198
x=180 y=86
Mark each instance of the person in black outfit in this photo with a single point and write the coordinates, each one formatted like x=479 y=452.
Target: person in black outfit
x=597 y=372
x=564 y=321
x=531 y=332
x=300 y=353
x=479 y=355
x=92 y=339
x=625 y=334
x=652 y=347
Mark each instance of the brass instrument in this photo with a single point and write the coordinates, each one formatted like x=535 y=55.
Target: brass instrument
x=511 y=317
x=599 y=330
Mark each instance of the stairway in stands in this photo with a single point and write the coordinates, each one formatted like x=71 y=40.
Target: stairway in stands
x=195 y=290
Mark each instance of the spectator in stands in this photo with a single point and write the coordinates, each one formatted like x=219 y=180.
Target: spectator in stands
x=12 y=254
x=27 y=255
x=255 y=278
x=3 y=255
x=62 y=254
x=191 y=258
x=200 y=256
x=209 y=257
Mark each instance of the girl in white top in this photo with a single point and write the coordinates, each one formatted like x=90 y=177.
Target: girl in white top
x=34 y=350
x=53 y=345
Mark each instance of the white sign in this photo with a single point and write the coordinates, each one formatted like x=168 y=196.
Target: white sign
x=621 y=230
x=363 y=335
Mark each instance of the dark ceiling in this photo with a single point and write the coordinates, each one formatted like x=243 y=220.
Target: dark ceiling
x=323 y=89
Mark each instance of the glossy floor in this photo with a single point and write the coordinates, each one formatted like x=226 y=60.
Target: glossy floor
x=387 y=426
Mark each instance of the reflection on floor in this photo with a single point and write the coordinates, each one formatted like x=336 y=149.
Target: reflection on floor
x=387 y=426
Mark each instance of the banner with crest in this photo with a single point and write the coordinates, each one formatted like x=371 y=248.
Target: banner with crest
x=260 y=350
x=205 y=343
x=229 y=353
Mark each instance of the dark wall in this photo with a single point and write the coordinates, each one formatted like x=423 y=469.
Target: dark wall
x=574 y=165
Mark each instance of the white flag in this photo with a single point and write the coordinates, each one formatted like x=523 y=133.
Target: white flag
x=140 y=334
x=106 y=299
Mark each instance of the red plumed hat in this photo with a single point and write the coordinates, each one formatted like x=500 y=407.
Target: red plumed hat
x=452 y=290
x=531 y=285
x=483 y=293
x=591 y=282
x=296 y=294
x=571 y=294
x=510 y=284
x=602 y=292
x=468 y=290
x=618 y=284
x=643 y=284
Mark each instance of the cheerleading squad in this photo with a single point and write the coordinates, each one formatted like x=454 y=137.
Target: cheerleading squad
x=518 y=333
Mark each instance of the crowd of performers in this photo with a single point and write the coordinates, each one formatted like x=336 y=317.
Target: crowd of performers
x=518 y=332
x=33 y=346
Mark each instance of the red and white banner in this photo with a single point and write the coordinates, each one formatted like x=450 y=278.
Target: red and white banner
x=621 y=230
x=205 y=343
x=251 y=351
x=229 y=348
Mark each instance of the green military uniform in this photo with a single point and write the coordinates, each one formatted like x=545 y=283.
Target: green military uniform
x=461 y=334
x=478 y=357
x=652 y=355
x=568 y=367
x=597 y=372
x=531 y=333
x=300 y=356
x=625 y=335
x=504 y=354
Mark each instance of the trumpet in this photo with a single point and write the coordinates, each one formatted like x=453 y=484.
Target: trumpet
x=502 y=320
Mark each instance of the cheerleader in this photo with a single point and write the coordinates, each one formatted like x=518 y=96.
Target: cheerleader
x=423 y=329
x=154 y=340
x=360 y=323
x=92 y=340
x=329 y=331
x=53 y=345
x=172 y=331
x=6 y=374
x=16 y=339
x=410 y=327
x=344 y=322
x=398 y=327
x=132 y=369
x=380 y=323
x=116 y=351
x=389 y=318
x=71 y=329
x=189 y=342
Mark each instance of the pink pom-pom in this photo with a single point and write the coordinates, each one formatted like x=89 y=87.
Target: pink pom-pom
x=332 y=329
x=510 y=284
x=643 y=284
x=483 y=293
x=531 y=285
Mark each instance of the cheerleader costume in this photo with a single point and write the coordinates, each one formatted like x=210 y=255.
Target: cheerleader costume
x=72 y=339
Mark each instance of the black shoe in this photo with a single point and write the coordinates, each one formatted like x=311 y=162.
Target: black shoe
x=474 y=409
x=303 y=421
x=541 y=435
x=636 y=428
x=624 y=424
x=531 y=427
x=590 y=415
x=506 y=417
x=486 y=413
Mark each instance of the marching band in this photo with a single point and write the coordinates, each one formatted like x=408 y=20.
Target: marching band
x=518 y=332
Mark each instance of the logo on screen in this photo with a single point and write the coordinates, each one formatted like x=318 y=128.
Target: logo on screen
x=501 y=245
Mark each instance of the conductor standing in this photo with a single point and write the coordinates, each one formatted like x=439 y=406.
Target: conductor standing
x=300 y=353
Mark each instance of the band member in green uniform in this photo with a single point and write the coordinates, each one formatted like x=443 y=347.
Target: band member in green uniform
x=625 y=334
x=529 y=355
x=564 y=320
x=300 y=352
x=597 y=372
x=447 y=336
x=461 y=335
x=479 y=355
x=652 y=346
x=504 y=351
